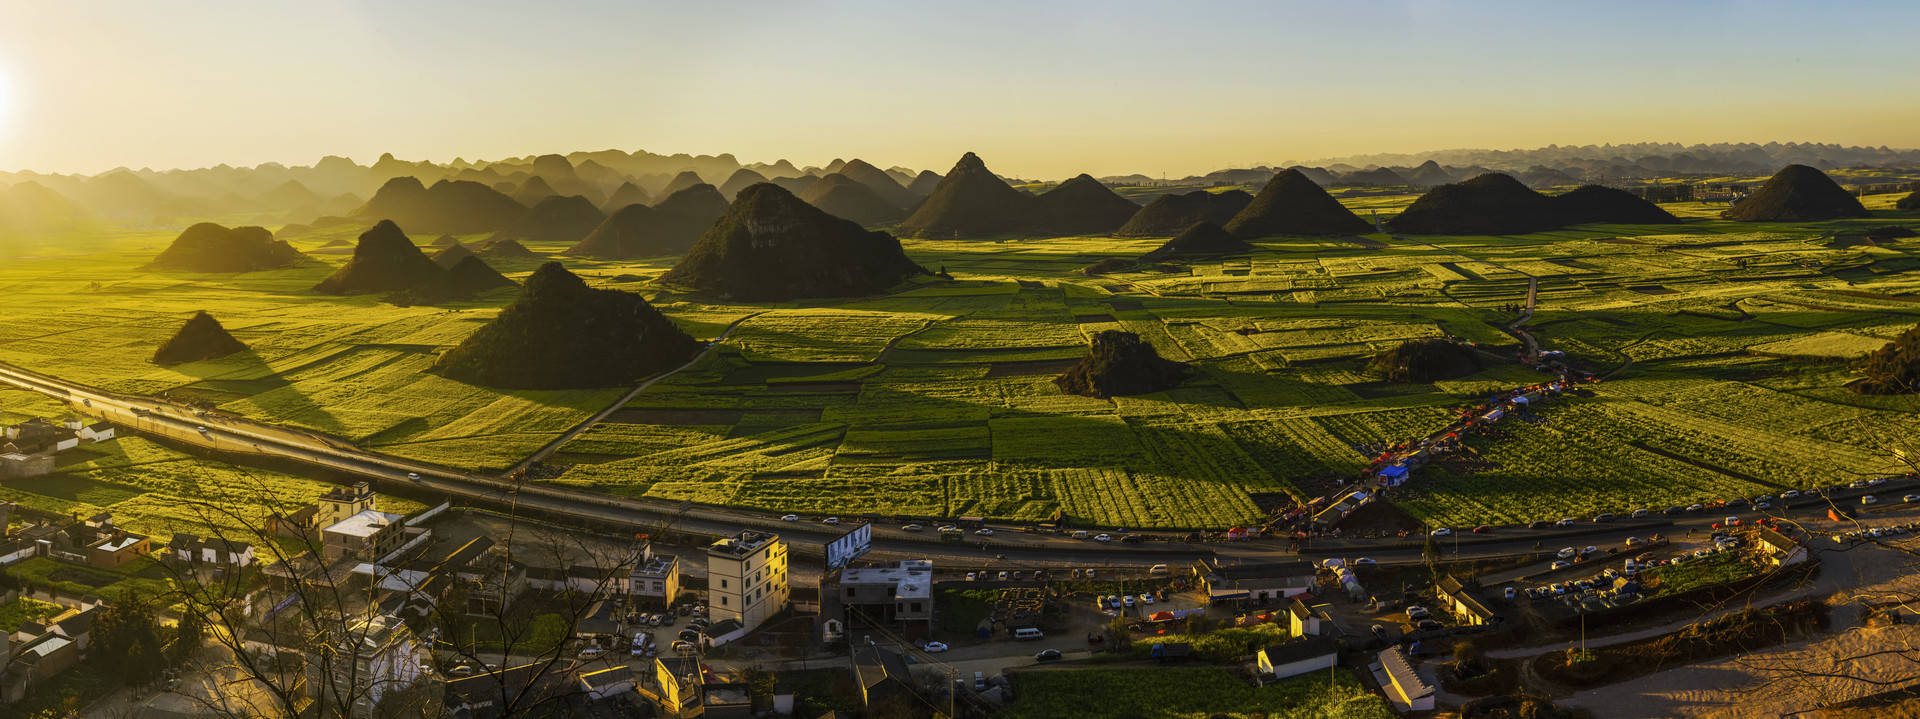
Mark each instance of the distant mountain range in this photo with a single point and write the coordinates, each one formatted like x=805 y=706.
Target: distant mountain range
x=272 y=193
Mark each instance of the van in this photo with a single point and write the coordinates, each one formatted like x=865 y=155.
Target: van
x=1157 y=569
x=1027 y=634
x=1079 y=534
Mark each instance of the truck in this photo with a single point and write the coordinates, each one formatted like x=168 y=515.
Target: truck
x=953 y=534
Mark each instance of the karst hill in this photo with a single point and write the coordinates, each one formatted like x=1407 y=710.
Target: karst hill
x=208 y=247
x=201 y=338
x=1121 y=364
x=666 y=229
x=1291 y=204
x=1797 y=193
x=771 y=245
x=586 y=338
x=1172 y=214
x=1200 y=239
x=969 y=202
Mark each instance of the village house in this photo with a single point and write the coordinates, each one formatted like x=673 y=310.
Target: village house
x=1302 y=619
x=880 y=674
x=1256 y=583
x=655 y=581
x=116 y=548
x=37 y=651
x=1297 y=657
x=899 y=597
x=1403 y=686
x=369 y=535
x=97 y=432
x=747 y=578
x=1780 y=551
x=1458 y=598
x=332 y=508
x=216 y=551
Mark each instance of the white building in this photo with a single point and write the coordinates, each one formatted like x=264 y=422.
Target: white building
x=900 y=595
x=1403 y=686
x=655 y=581
x=386 y=658
x=1298 y=657
x=747 y=578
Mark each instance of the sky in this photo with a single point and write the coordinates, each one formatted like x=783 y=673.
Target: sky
x=1038 y=89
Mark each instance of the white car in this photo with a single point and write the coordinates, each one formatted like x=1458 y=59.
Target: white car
x=1102 y=538
x=790 y=518
x=1146 y=599
x=912 y=528
x=933 y=647
x=413 y=475
x=1567 y=553
x=1869 y=499
x=1590 y=550
x=973 y=576
x=1441 y=532
x=1875 y=482
x=1127 y=600
x=984 y=531
x=1790 y=494
x=1855 y=484
x=831 y=520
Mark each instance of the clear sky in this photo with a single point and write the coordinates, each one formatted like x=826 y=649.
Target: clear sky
x=1039 y=89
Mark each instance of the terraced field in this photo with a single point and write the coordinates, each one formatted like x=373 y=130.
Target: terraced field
x=1729 y=343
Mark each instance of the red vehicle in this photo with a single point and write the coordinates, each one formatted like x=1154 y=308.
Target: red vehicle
x=1483 y=529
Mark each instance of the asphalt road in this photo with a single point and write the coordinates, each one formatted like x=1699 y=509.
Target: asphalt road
x=1007 y=547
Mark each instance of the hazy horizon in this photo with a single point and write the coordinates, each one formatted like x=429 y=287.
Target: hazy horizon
x=1046 y=92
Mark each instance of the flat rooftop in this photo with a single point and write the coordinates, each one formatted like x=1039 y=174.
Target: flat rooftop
x=657 y=566
x=913 y=579
x=745 y=543
x=365 y=524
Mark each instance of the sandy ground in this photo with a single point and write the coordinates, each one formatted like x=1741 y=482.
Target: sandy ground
x=1740 y=687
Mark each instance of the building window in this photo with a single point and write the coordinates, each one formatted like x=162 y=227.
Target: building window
x=915 y=607
x=723 y=601
x=723 y=584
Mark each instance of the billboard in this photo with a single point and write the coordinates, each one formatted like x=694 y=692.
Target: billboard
x=848 y=547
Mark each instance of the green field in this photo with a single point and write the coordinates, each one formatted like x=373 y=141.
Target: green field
x=1728 y=343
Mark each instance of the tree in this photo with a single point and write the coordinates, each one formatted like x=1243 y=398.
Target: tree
x=296 y=654
x=127 y=639
x=1119 y=638
x=188 y=636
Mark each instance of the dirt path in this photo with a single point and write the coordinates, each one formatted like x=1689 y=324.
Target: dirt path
x=1732 y=686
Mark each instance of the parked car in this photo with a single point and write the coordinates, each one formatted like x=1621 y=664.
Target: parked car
x=1417 y=612
x=1731 y=521
x=1102 y=538
x=1127 y=600
x=1567 y=552
x=1363 y=561
x=1483 y=529
x=689 y=635
x=1441 y=532
x=1146 y=599
x=1602 y=518
x=1428 y=625
x=973 y=576
x=1539 y=524
x=1589 y=550
x=1868 y=499
x=933 y=647
x=591 y=652
x=1048 y=655
x=1762 y=506
x=682 y=645
x=984 y=531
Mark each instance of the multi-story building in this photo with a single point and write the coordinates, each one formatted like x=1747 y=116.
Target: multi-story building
x=384 y=657
x=900 y=595
x=747 y=578
x=655 y=581
x=369 y=535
